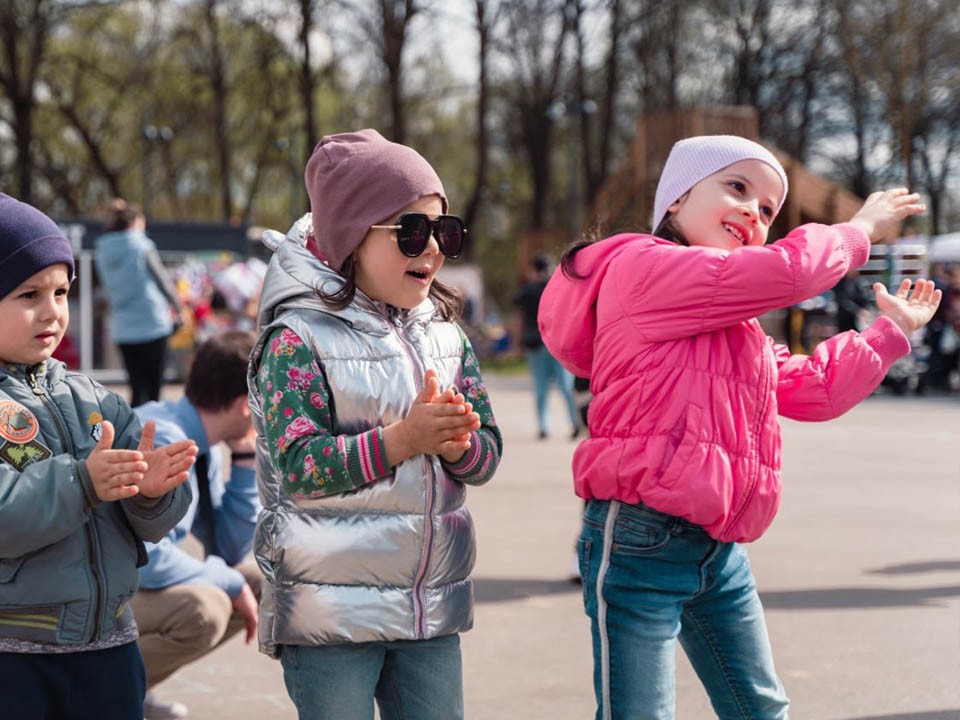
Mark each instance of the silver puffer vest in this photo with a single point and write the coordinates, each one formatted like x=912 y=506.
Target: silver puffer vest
x=392 y=560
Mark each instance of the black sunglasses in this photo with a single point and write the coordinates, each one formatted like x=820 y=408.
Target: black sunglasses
x=414 y=231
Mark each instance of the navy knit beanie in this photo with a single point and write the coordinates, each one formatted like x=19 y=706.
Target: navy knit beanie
x=29 y=242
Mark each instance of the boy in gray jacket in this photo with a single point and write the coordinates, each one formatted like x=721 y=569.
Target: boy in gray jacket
x=81 y=488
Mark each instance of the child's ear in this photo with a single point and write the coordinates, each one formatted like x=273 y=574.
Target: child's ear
x=679 y=203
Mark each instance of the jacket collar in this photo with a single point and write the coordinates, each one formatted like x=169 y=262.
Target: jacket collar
x=48 y=372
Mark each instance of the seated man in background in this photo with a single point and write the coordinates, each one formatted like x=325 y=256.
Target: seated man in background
x=188 y=605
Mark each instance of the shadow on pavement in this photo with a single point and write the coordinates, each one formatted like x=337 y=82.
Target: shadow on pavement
x=855 y=597
x=493 y=590
x=929 y=715
x=918 y=567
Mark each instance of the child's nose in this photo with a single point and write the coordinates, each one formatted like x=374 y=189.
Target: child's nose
x=48 y=310
x=433 y=246
x=751 y=211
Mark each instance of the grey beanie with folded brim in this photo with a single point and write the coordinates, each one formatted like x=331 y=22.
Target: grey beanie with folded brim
x=695 y=158
x=29 y=242
x=359 y=179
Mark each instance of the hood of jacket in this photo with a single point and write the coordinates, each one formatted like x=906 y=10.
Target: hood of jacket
x=566 y=298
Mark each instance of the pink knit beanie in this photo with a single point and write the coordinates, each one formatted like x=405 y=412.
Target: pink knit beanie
x=360 y=179
x=693 y=159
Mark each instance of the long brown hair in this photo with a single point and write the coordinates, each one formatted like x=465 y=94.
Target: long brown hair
x=448 y=300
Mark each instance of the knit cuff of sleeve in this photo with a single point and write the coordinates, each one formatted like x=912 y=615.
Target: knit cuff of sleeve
x=468 y=462
x=89 y=494
x=855 y=242
x=887 y=340
x=149 y=508
x=367 y=458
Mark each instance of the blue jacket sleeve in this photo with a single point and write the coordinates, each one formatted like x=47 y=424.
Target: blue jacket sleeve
x=236 y=505
x=169 y=564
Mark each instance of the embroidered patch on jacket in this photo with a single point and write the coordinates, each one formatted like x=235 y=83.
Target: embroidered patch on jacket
x=95 y=421
x=17 y=424
x=21 y=455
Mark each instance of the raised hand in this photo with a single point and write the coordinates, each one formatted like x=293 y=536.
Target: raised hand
x=910 y=311
x=883 y=211
x=167 y=465
x=114 y=474
x=434 y=426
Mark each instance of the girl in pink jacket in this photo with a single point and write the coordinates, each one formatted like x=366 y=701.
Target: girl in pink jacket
x=683 y=460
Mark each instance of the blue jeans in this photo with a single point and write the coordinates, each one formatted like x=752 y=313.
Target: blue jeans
x=410 y=680
x=649 y=578
x=545 y=369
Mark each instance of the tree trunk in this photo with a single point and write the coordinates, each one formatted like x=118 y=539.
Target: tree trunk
x=218 y=84
x=483 y=136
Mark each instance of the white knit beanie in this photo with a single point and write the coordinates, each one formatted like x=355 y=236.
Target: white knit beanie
x=693 y=159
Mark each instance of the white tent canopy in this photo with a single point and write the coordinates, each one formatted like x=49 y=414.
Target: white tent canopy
x=944 y=248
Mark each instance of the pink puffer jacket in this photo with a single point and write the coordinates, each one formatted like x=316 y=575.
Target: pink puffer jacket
x=687 y=387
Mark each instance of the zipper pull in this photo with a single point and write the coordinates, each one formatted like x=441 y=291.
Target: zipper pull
x=34 y=385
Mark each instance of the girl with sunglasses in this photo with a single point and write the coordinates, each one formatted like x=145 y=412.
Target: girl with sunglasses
x=371 y=418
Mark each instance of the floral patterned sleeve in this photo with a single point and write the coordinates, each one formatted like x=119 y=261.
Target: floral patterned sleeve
x=479 y=462
x=299 y=427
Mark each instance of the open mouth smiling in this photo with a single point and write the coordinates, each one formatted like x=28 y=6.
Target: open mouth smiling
x=736 y=232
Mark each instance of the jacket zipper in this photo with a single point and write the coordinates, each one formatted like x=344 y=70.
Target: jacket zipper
x=748 y=496
x=67 y=443
x=419 y=594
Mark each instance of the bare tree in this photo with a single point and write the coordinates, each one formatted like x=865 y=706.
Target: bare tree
x=386 y=31
x=597 y=166
x=485 y=19
x=658 y=44
x=308 y=80
x=216 y=74
x=25 y=27
x=901 y=59
x=534 y=46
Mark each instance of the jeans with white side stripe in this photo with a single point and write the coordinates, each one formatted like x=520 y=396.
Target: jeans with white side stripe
x=651 y=578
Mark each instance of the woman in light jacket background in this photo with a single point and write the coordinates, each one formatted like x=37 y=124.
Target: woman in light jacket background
x=143 y=301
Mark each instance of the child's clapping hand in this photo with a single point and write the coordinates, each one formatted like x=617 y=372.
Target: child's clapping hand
x=119 y=474
x=459 y=442
x=438 y=424
x=910 y=311
x=114 y=474
x=167 y=465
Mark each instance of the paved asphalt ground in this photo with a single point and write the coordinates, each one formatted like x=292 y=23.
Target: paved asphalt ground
x=860 y=577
